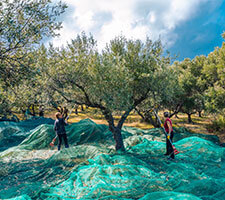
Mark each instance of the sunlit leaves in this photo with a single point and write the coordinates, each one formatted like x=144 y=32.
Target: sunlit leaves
x=117 y=78
x=23 y=24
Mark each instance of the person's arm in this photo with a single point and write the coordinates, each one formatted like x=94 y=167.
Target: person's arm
x=55 y=126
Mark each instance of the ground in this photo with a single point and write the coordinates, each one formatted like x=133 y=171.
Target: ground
x=134 y=120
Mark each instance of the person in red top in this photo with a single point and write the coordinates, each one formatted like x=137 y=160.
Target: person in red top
x=169 y=129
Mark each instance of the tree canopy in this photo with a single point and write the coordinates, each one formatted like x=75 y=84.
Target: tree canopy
x=118 y=79
x=24 y=24
x=126 y=75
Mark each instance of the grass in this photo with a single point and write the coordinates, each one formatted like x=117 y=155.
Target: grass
x=134 y=120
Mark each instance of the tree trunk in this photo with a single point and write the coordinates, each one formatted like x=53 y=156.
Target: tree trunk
x=147 y=117
x=189 y=118
x=176 y=111
x=118 y=138
x=33 y=110
x=116 y=131
x=76 y=111
x=177 y=116
x=24 y=114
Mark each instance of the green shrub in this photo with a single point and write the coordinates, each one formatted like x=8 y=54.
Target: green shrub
x=217 y=125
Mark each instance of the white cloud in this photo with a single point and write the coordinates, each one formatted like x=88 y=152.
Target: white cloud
x=106 y=19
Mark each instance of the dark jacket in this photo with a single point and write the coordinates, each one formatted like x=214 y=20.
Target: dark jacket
x=59 y=126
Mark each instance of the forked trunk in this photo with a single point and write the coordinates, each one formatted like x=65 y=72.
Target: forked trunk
x=116 y=130
x=118 y=139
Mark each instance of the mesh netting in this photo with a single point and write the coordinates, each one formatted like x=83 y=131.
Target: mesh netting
x=91 y=169
x=12 y=133
x=23 y=197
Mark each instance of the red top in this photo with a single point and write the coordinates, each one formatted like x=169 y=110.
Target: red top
x=166 y=126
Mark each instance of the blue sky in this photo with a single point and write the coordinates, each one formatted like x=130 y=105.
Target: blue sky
x=186 y=27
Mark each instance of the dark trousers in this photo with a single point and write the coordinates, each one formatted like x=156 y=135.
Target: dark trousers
x=169 y=147
x=63 y=137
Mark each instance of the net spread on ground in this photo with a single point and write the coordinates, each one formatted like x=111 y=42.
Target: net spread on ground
x=91 y=169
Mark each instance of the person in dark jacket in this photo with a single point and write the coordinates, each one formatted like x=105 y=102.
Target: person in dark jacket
x=169 y=129
x=60 y=130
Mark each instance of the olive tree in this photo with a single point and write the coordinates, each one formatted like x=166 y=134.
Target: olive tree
x=24 y=24
x=213 y=74
x=116 y=80
x=189 y=97
x=166 y=95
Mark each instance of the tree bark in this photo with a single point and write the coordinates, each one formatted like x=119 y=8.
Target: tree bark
x=33 y=110
x=82 y=107
x=189 y=118
x=147 y=117
x=176 y=111
x=116 y=131
x=177 y=116
x=150 y=119
x=76 y=111
x=200 y=113
x=117 y=135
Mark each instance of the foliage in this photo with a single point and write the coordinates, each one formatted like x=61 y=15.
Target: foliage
x=116 y=80
x=201 y=82
x=126 y=75
x=217 y=125
x=23 y=25
x=214 y=73
x=4 y=103
x=189 y=93
x=166 y=91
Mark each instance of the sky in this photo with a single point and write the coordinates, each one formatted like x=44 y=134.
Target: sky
x=187 y=28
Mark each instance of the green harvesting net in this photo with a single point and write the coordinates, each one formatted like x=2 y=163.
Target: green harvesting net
x=91 y=169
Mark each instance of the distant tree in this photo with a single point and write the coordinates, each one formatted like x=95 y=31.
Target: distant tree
x=214 y=76
x=115 y=81
x=191 y=93
x=164 y=95
x=4 y=103
x=23 y=24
